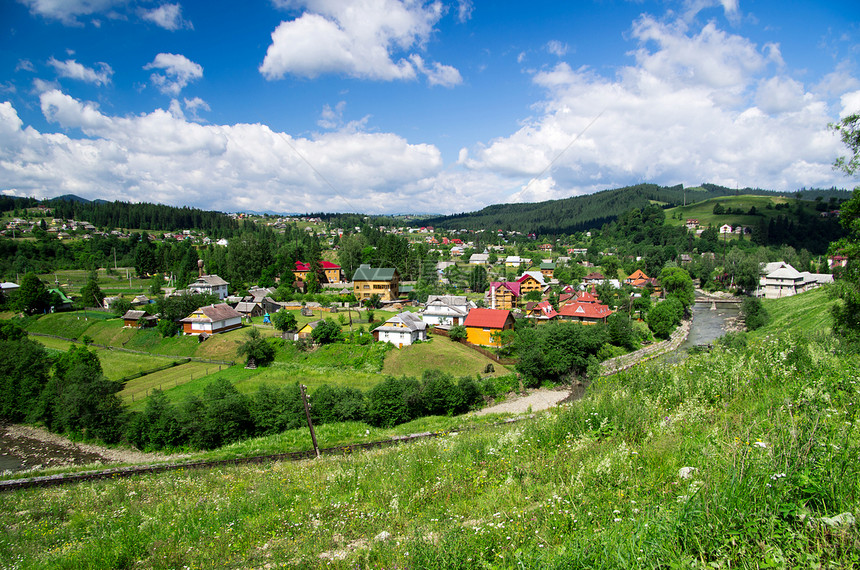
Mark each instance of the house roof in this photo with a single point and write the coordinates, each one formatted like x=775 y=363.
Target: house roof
x=133 y=315
x=594 y=275
x=479 y=258
x=457 y=303
x=219 y=312
x=412 y=321
x=638 y=274
x=302 y=267
x=586 y=297
x=585 y=310
x=487 y=318
x=547 y=265
x=785 y=272
x=212 y=280
x=367 y=273
x=536 y=275
x=512 y=286
x=245 y=306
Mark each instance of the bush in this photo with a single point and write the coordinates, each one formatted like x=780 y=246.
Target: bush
x=338 y=404
x=457 y=333
x=754 y=313
x=327 y=332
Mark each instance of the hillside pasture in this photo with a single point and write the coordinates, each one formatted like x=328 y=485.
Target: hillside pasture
x=439 y=353
x=704 y=211
x=135 y=392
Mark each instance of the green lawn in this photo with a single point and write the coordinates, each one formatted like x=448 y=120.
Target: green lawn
x=442 y=354
x=808 y=312
x=136 y=390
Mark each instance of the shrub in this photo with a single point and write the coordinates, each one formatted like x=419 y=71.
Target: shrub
x=457 y=333
x=754 y=313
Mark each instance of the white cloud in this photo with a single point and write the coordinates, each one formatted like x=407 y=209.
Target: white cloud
x=168 y=16
x=368 y=39
x=74 y=70
x=25 y=65
x=695 y=106
x=464 y=11
x=163 y=157
x=68 y=11
x=178 y=71
x=556 y=47
x=437 y=74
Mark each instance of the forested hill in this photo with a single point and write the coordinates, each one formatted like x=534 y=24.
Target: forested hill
x=580 y=213
x=144 y=216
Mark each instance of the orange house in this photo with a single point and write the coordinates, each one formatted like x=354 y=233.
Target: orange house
x=482 y=323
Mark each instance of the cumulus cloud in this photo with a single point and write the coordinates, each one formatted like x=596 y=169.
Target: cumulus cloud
x=161 y=156
x=695 y=105
x=464 y=11
x=167 y=16
x=367 y=39
x=74 y=70
x=177 y=72
x=69 y=11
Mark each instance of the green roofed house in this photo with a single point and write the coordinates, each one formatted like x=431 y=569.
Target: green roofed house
x=65 y=304
x=547 y=269
x=384 y=281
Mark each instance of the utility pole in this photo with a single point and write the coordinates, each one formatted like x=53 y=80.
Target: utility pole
x=302 y=388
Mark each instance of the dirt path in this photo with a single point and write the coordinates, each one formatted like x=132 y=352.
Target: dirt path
x=536 y=401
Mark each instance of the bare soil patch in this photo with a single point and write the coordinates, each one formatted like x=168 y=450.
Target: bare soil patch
x=27 y=448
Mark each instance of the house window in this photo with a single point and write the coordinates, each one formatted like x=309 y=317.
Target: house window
x=367 y=286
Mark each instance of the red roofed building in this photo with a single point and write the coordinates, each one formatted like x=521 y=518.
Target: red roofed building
x=331 y=271
x=482 y=323
x=586 y=313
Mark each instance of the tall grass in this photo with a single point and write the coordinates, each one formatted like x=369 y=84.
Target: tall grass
x=739 y=458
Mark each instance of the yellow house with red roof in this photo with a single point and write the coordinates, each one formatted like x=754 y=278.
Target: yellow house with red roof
x=482 y=323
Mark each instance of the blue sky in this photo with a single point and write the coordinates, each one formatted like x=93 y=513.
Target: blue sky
x=388 y=106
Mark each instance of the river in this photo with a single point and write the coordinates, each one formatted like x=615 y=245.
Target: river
x=709 y=323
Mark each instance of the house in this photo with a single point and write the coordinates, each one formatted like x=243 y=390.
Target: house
x=138 y=319
x=210 y=285
x=402 y=330
x=446 y=310
x=547 y=269
x=249 y=309
x=384 y=281
x=692 y=223
x=531 y=281
x=545 y=247
x=784 y=281
x=141 y=300
x=211 y=319
x=307 y=330
x=542 y=311
x=837 y=261
x=331 y=272
x=108 y=302
x=514 y=261
x=503 y=295
x=65 y=303
x=586 y=313
x=479 y=259
x=481 y=324
x=725 y=229
x=593 y=278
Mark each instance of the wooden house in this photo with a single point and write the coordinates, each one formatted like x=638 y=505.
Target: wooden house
x=482 y=323
x=212 y=319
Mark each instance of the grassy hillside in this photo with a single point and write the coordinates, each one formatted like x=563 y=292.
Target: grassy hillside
x=704 y=210
x=742 y=457
x=442 y=354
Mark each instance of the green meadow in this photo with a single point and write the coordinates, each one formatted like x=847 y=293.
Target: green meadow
x=742 y=457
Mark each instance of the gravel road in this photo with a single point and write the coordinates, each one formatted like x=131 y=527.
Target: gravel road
x=536 y=400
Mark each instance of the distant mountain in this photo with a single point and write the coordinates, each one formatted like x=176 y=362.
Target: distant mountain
x=580 y=213
x=71 y=198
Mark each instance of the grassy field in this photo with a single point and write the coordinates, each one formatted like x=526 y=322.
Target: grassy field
x=442 y=354
x=115 y=282
x=136 y=390
x=738 y=458
x=808 y=312
x=704 y=211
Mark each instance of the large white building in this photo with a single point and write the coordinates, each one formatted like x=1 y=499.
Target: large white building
x=783 y=280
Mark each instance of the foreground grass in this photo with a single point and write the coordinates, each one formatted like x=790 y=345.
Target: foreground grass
x=742 y=457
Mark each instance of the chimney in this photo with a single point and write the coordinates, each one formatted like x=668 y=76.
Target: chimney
x=199 y=268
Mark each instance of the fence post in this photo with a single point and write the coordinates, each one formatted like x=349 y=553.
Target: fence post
x=308 y=416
